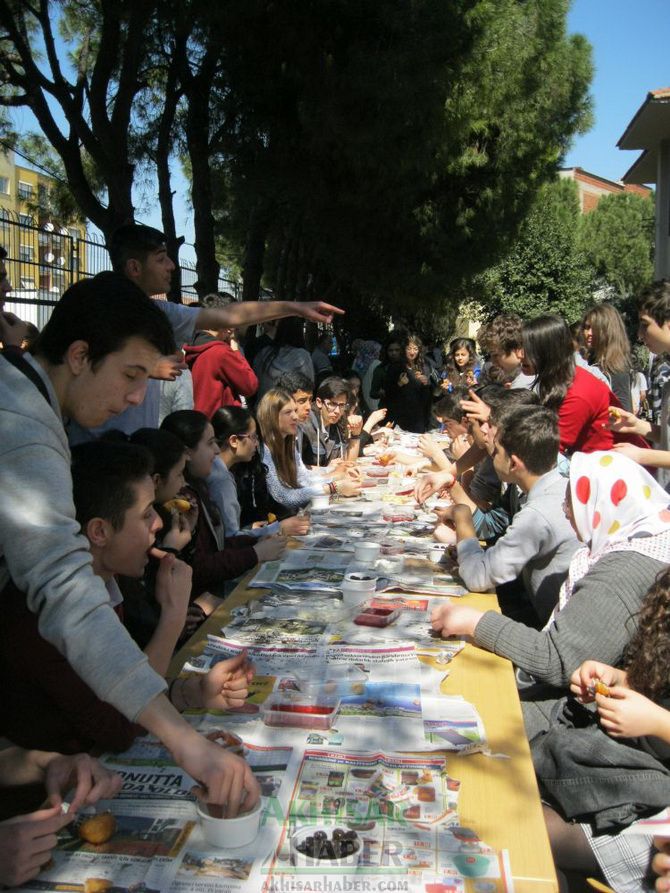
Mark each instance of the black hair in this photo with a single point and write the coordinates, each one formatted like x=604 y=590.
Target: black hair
x=294 y=381
x=531 y=433
x=166 y=449
x=463 y=344
x=547 y=344
x=229 y=420
x=397 y=336
x=188 y=425
x=449 y=406
x=3 y=253
x=103 y=475
x=494 y=394
x=105 y=312
x=332 y=386
x=133 y=240
x=654 y=301
x=514 y=398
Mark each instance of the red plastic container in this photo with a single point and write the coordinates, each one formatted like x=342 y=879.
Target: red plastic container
x=292 y=709
x=376 y=617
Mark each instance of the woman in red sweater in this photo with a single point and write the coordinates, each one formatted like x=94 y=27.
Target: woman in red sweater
x=579 y=398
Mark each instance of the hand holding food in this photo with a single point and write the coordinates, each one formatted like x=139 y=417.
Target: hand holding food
x=586 y=678
x=298 y=525
x=625 y=713
x=178 y=504
x=26 y=843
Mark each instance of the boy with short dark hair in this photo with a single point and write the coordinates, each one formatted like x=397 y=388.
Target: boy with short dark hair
x=502 y=340
x=140 y=254
x=479 y=489
x=113 y=495
x=539 y=543
x=301 y=388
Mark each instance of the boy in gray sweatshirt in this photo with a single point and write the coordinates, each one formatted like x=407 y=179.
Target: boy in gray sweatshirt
x=93 y=359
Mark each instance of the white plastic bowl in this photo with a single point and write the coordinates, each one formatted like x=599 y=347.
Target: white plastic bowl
x=230 y=833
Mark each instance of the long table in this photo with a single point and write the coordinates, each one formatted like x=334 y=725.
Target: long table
x=499 y=796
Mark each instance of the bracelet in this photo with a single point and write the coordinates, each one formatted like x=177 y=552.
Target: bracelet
x=332 y=486
x=336 y=488
x=170 y=687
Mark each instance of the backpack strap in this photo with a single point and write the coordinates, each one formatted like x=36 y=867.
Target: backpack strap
x=16 y=358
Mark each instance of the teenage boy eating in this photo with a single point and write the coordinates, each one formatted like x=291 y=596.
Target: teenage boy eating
x=113 y=497
x=539 y=543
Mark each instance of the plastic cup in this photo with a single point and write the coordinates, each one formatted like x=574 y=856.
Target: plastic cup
x=366 y=551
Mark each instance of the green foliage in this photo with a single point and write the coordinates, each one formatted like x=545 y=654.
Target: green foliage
x=546 y=271
x=394 y=148
x=379 y=150
x=58 y=205
x=618 y=240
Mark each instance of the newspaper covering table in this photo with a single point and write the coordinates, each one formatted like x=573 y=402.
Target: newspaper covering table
x=418 y=817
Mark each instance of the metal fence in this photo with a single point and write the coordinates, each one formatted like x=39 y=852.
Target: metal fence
x=44 y=259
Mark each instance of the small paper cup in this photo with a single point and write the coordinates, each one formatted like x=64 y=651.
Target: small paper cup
x=319 y=502
x=351 y=598
x=367 y=551
x=361 y=581
x=229 y=833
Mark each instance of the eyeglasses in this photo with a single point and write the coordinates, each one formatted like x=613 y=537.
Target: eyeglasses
x=335 y=407
x=253 y=436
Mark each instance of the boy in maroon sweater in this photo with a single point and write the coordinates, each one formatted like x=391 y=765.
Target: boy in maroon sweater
x=48 y=706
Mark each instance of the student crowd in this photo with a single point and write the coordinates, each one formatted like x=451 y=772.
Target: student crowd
x=147 y=461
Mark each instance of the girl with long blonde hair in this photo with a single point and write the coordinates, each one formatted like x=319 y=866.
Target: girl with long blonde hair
x=290 y=484
x=609 y=349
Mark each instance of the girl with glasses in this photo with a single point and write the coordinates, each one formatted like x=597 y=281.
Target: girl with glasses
x=238 y=475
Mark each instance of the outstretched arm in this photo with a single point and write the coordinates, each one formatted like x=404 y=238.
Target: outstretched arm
x=243 y=313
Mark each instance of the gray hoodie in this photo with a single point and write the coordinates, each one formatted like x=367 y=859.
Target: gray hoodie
x=44 y=552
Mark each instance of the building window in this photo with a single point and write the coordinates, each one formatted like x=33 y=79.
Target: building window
x=25 y=190
x=28 y=283
x=42 y=194
x=26 y=253
x=25 y=220
x=4 y=185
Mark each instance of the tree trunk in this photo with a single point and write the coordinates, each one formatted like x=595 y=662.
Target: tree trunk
x=254 y=254
x=162 y=160
x=197 y=90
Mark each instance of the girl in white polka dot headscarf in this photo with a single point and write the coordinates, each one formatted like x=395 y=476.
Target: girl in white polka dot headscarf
x=614 y=505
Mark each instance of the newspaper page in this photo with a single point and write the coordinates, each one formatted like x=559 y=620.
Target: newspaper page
x=374 y=699
x=303 y=569
x=154 y=817
x=403 y=812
